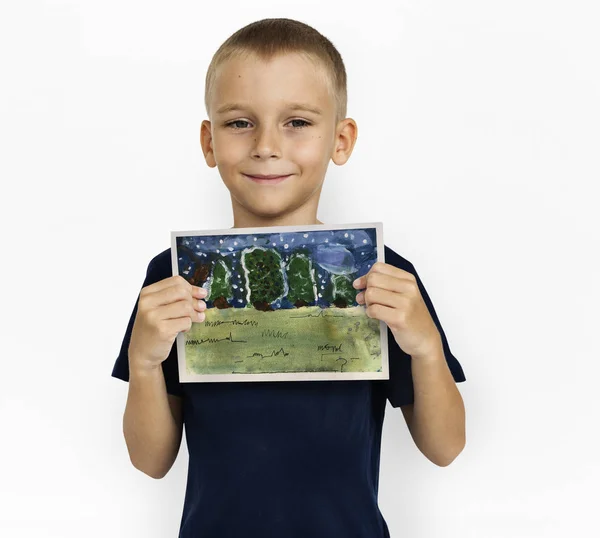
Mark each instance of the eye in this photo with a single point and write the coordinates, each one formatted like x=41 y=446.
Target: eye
x=232 y=123
x=301 y=121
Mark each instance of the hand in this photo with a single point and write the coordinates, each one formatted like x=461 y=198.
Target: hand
x=165 y=308
x=392 y=295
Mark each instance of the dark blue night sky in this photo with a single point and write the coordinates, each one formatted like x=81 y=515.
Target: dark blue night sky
x=346 y=251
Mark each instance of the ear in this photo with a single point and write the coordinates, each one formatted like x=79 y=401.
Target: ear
x=346 y=134
x=206 y=143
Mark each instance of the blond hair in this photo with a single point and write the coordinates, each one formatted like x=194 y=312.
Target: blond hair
x=268 y=38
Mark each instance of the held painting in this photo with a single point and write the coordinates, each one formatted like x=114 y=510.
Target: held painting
x=280 y=304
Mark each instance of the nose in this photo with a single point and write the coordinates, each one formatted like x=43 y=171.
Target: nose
x=266 y=143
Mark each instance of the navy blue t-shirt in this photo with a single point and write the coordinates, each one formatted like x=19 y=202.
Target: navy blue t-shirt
x=297 y=459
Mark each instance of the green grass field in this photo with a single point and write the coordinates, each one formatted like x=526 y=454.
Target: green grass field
x=308 y=339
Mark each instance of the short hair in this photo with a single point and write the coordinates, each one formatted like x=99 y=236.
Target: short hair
x=268 y=38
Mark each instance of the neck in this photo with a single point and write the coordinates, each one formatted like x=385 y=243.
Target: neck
x=242 y=218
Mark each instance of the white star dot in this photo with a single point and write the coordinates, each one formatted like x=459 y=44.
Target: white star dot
x=345 y=235
x=364 y=240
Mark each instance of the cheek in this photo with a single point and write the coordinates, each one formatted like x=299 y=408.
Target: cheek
x=227 y=150
x=310 y=153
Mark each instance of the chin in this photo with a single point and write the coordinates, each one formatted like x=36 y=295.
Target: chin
x=263 y=203
x=267 y=211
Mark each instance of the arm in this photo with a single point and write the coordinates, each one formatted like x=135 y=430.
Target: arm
x=152 y=423
x=436 y=420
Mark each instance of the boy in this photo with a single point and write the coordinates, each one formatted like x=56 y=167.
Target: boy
x=283 y=459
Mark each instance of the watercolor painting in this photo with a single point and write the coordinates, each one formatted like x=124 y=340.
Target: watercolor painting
x=280 y=304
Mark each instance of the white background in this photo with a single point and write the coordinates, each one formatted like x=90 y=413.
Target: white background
x=478 y=150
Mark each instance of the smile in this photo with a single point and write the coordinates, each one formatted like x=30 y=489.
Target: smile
x=267 y=180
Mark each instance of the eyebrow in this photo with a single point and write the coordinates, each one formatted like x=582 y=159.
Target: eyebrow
x=291 y=106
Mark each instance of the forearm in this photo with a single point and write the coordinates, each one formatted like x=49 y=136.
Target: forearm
x=151 y=433
x=438 y=420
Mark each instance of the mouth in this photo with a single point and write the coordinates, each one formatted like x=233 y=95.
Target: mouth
x=267 y=179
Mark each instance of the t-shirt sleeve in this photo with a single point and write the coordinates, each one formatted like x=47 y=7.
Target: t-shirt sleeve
x=155 y=272
x=399 y=387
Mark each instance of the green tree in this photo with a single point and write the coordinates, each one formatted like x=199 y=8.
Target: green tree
x=300 y=280
x=264 y=274
x=220 y=286
x=342 y=293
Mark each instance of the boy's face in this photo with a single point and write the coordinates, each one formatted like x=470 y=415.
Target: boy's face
x=255 y=130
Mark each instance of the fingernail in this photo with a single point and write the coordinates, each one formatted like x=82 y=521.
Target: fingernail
x=202 y=292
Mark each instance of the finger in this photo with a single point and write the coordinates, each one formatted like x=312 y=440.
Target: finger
x=199 y=292
x=176 y=280
x=179 y=290
x=383 y=297
x=389 y=283
x=385 y=269
x=186 y=308
x=382 y=313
